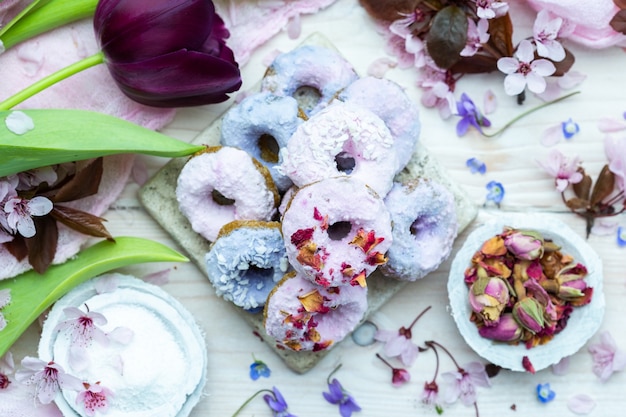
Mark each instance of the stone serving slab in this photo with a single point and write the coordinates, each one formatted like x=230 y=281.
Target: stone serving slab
x=158 y=196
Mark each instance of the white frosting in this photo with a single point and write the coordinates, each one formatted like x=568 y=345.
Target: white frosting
x=159 y=373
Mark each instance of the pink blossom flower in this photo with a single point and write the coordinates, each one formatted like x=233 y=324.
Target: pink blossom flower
x=94 y=397
x=462 y=383
x=83 y=327
x=408 y=48
x=607 y=358
x=488 y=9
x=20 y=211
x=524 y=70
x=7 y=366
x=615 y=150
x=430 y=395
x=563 y=169
x=438 y=88
x=398 y=345
x=545 y=33
x=477 y=35
x=47 y=377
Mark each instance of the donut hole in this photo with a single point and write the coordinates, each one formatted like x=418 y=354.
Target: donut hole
x=269 y=148
x=307 y=97
x=220 y=199
x=345 y=162
x=420 y=226
x=339 y=230
x=258 y=276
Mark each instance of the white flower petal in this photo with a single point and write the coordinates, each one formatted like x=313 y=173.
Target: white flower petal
x=39 y=206
x=525 y=52
x=536 y=83
x=26 y=226
x=19 y=122
x=542 y=67
x=514 y=84
x=581 y=404
x=508 y=65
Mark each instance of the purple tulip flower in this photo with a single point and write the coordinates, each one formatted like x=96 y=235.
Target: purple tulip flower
x=167 y=53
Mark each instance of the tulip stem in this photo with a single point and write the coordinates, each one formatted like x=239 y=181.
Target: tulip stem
x=91 y=61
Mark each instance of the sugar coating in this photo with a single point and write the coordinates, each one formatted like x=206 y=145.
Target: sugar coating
x=245 y=264
x=424 y=228
x=342 y=129
x=303 y=316
x=309 y=66
x=387 y=100
x=233 y=173
x=313 y=215
x=262 y=114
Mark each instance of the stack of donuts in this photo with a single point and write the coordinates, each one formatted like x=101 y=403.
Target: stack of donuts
x=301 y=204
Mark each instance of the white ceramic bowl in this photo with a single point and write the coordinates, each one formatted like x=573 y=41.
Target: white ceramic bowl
x=583 y=322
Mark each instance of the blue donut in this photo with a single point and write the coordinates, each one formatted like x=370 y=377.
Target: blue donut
x=311 y=66
x=246 y=261
x=261 y=125
x=423 y=214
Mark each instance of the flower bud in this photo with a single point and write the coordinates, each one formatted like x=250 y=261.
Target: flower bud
x=530 y=314
x=571 y=272
x=488 y=296
x=506 y=330
x=571 y=290
x=525 y=244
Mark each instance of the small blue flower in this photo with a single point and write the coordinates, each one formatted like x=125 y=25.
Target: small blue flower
x=470 y=116
x=495 y=192
x=621 y=236
x=277 y=404
x=544 y=393
x=569 y=128
x=258 y=369
x=476 y=166
x=339 y=396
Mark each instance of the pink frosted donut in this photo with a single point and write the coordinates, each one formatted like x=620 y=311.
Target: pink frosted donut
x=303 y=316
x=336 y=231
x=223 y=184
x=387 y=100
x=309 y=66
x=342 y=140
x=424 y=228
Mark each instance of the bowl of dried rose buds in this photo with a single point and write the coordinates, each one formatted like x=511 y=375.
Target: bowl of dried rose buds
x=526 y=291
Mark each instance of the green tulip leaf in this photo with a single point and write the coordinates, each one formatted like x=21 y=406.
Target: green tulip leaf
x=32 y=293
x=72 y=135
x=43 y=15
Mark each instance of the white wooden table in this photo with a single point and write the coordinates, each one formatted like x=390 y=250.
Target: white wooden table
x=511 y=160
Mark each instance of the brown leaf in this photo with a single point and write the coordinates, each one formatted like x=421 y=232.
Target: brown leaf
x=492 y=370
x=81 y=221
x=604 y=186
x=577 y=204
x=501 y=30
x=620 y=3
x=83 y=184
x=563 y=66
x=43 y=246
x=583 y=188
x=447 y=36
x=389 y=10
x=17 y=247
x=477 y=64
x=618 y=22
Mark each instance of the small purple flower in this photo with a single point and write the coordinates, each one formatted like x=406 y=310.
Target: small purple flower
x=569 y=128
x=476 y=166
x=277 y=404
x=462 y=383
x=524 y=70
x=621 y=237
x=338 y=396
x=470 y=116
x=607 y=358
x=20 y=212
x=544 y=393
x=495 y=192
x=259 y=369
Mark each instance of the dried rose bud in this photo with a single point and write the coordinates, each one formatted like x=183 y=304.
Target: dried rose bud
x=506 y=330
x=572 y=290
x=488 y=297
x=525 y=244
x=530 y=314
x=571 y=272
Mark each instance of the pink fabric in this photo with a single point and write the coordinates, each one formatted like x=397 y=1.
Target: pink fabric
x=591 y=20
